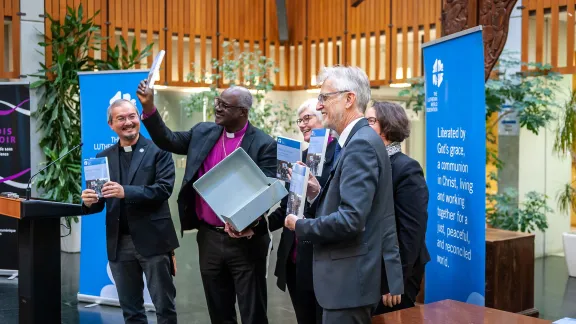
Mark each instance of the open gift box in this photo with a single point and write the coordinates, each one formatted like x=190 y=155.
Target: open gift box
x=238 y=191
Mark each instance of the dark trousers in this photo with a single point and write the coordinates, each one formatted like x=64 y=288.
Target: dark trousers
x=358 y=315
x=233 y=268
x=127 y=271
x=303 y=298
x=411 y=289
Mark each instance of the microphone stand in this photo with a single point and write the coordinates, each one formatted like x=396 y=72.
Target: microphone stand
x=28 y=188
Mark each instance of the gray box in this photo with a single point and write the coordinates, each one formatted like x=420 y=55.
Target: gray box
x=238 y=191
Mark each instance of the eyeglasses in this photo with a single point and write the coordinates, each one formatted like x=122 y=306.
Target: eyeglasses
x=371 y=120
x=324 y=96
x=305 y=119
x=218 y=102
x=122 y=119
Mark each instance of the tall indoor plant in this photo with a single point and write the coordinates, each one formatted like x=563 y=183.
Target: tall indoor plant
x=71 y=41
x=565 y=143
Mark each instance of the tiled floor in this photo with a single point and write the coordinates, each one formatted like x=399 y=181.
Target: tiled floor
x=555 y=293
x=190 y=301
x=554 y=290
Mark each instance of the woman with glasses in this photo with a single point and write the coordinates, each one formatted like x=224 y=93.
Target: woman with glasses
x=294 y=261
x=389 y=120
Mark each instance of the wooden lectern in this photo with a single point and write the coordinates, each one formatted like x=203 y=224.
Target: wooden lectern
x=39 y=295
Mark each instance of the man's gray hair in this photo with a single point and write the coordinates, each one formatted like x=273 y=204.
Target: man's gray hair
x=310 y=105
x=116 y=103
x=349 y=78
x=243 y=94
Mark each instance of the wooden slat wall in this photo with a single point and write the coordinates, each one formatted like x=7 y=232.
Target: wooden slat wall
x=294 y=60
x=241 y=22
x=383 y=37
x=546 y=25
x=393 y=27
x=191 y=29
x=326 y=30
x=8 y=11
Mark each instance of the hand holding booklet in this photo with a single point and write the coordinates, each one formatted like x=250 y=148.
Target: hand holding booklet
x=154 y=69
x=298 y=188
x=315 y=157
x=288 y=152
x=96 y=174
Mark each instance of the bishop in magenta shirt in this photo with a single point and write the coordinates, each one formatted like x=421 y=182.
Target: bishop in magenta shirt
x=226 y=144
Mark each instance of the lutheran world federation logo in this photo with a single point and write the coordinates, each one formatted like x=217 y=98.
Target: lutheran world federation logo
x=437 y=73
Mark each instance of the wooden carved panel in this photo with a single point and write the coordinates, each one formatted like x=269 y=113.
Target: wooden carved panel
x=493 y=15
x=455 y=16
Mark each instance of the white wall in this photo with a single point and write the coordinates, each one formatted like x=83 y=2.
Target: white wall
x=543 y=171
x=540 y=169
x=30 y=56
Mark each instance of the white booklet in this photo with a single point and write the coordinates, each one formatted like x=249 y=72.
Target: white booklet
x=317 y=150
x=289 y=151
x=297 y=193
x=565 y=320
x=96 y=173
x=155 y=69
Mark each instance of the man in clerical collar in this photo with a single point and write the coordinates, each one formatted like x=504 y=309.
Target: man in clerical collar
x=140 y=234
x=232 y=264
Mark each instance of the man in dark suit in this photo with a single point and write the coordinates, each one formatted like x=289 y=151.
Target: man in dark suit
x=140 y=235
x=354 y=229
x=231 y=264
x=294 y=259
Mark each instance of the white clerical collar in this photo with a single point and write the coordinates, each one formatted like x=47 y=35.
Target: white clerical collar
x=127 y=148
x=230 y=135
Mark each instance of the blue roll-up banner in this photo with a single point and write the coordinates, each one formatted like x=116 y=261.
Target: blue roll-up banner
x=97 y=91
x=14 y=162
x=456 y=167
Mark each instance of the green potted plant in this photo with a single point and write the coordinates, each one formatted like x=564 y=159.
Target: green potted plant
x=248 y=69
x=58 y=113
x=565 y=143
x=505 y=212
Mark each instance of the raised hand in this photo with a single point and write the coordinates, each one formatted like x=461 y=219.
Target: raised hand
x=146 y=97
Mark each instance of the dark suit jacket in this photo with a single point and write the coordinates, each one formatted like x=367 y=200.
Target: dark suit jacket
x=196 y=144
x=411 y=209
x=354 y=229
x=304 y=248
x=151 y=177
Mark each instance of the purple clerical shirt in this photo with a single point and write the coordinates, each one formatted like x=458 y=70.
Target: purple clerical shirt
x=226 y=144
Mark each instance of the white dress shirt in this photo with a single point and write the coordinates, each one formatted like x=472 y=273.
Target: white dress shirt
x=341 y=141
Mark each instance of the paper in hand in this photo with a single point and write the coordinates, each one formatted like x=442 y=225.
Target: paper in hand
x=154 y=69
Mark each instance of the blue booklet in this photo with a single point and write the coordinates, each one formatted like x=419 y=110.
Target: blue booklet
x=317 y=150
x=289 y=151
x=96 y=173
x=297 y=193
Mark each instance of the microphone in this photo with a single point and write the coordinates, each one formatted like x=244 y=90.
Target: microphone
x=28 y=189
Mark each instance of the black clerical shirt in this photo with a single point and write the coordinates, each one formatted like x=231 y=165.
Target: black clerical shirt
x=125 y=160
